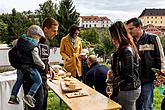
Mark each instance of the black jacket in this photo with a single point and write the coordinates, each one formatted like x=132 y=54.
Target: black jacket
x=25 y=46
x=125 y=66
x=150 y=51
x=96 y=76
x=44 y=54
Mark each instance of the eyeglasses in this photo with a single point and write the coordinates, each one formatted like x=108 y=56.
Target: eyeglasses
x=76 y=33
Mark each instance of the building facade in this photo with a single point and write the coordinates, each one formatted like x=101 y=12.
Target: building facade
x=94 y=21
x=154 y=20
x=155 y=17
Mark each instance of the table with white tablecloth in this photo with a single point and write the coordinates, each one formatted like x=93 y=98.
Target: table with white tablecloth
x=7 y=80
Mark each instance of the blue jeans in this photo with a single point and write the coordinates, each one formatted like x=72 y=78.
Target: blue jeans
x=36 y=77
x=145 y=100
x=18 y=83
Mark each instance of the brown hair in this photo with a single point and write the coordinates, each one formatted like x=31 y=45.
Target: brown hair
x=119 y=32
x=48 y=22
x=136 y=22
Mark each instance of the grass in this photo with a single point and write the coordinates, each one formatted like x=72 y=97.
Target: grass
x=157 y=99
x=54 y=101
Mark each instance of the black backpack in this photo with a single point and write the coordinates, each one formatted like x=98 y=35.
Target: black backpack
x=14 y=58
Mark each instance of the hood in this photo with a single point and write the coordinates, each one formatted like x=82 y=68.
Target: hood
x=25 y=43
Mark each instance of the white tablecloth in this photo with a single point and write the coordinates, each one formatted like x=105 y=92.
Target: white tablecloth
x=7 y=80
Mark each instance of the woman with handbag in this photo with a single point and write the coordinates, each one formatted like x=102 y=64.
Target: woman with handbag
x=125 y=66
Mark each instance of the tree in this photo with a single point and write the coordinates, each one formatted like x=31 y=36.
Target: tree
x=3 y=31
x=66 y=16
x=102 y=44
x=90 y=35
x=162 y=39
x=17 y=24
x=47 y=9
x=107 y=44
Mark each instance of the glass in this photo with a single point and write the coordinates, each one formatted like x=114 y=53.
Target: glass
x=109 y=90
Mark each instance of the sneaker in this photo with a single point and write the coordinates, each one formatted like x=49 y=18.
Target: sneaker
x=14 y=100
x=29 y=100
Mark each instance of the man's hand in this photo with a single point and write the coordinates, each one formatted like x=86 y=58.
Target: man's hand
x=51 y=73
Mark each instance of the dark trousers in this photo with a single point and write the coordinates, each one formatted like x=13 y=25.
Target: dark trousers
x=40 y=96
x=163 y=104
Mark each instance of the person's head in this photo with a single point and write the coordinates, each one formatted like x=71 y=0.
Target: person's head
x=50 y=27
x=74 y=31
x=84 y=53
x=35 y=32
x=91 y=59
x=120 y=36
x=134 y=26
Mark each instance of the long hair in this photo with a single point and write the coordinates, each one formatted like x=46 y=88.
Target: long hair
x=119 y=32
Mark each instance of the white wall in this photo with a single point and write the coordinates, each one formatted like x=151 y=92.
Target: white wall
x=4 y=61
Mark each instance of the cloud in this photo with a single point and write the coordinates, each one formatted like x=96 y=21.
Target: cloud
x=116 y=9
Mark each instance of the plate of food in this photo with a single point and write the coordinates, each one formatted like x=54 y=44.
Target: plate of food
x=70 y=86
x=76 y=94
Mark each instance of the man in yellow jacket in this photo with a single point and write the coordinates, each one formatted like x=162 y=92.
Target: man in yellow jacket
x=70 y=49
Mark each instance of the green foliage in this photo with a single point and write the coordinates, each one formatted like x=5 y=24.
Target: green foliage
x=17 y=24
x=163 y=42
x=47 y=9
x=105 y=47
x=107 y=44
x=85 y=44
x=3 y=30
x=157 y=99
x=99 y=39
x=90 y=35
x=99 y=50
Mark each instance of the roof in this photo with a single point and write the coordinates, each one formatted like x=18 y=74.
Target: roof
x=94 y=18
x=153 y=12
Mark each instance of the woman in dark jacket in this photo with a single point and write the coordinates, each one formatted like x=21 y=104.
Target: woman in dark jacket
x=125 y=66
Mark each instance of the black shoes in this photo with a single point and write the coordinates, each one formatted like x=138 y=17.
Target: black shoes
x=14 y=100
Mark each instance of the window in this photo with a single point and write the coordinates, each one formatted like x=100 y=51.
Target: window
x=160 y=21
x=151 y=21
x=152 y=17
x=147 y=17
x=95 y=25
x=155 y=17
x=90 y=25
x=155 y=21
x=86 y=25
x=148 y=22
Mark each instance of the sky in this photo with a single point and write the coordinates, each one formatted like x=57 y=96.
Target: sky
x=113 y=9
